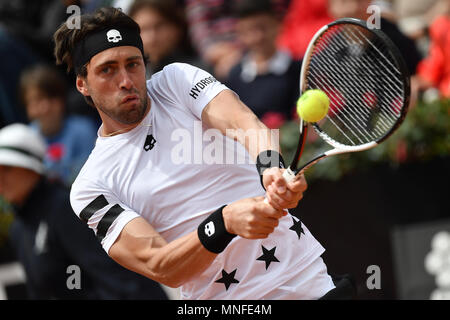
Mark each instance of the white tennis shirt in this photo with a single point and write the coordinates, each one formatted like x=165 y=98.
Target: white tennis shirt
x=174 y=172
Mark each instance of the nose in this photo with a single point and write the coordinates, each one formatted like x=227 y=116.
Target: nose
x=125 y=81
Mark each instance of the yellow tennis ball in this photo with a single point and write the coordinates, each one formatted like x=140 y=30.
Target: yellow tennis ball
x=313 y=105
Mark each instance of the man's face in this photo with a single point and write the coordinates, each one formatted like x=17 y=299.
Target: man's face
x=14 y=183
x=258 y=33
x=160 y=36
x=47 y=111
x=116 y=83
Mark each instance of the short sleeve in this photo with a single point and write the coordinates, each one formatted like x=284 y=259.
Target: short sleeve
x=100 y=210
x=189 y=86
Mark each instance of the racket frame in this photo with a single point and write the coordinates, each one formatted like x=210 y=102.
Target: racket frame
x=293 y=170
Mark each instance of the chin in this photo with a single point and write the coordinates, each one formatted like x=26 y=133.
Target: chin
x=135 y=116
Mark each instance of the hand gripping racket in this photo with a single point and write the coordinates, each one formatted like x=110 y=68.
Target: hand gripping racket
x=367 y=82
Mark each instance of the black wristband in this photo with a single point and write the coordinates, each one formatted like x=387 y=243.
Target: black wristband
x=212 y=232
x=268 y=159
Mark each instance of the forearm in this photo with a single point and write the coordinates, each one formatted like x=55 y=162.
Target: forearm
x=179 y=261
x=141 y=249
x=235 y=120
x=254 y=135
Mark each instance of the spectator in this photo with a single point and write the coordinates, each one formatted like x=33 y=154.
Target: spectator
x=15 y=56
x=46 y=236
x=303 y=19
x=163 y=32
x=358 y=9
x=414 y=17
x=388 y=23
x=70 y=138
x=211 y=26
x=26 y=29
x=266 y=79
x=34 y=22
x=434 y=70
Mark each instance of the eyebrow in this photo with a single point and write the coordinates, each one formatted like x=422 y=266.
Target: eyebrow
x=108 y=62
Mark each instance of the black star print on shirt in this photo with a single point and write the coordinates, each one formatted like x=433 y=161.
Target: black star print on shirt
x=268 y=256
x=297 y=227
x=228 y=278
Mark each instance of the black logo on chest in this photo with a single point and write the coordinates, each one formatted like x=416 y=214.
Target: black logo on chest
x=149 y=143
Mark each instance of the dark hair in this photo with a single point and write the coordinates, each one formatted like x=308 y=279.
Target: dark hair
x=166 y=8
x=247 y=8
x=47 y=79
x=66 y=38
x=172 y=12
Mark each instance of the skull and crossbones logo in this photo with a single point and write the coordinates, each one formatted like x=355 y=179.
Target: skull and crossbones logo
x=113 y=35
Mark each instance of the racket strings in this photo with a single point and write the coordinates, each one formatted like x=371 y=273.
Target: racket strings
x=370 y=73
x=362 y=112
x=362 y=81
x=369 y=68
x=367 y=71
x=351 y=122
x=394 y=81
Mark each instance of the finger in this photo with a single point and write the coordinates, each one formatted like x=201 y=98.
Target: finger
x=287 y=196
x=279 y=201
x=266 y=230
x=269 y=224
x=273 y=209
x=292 y=205
x=265 y=209
x=275 y=176
x=298 y=184
x=273 y=203
x=269 y=176
x=258 y=230
x=280 y=183
x=257 y=236
x=266 y=227
x=258 y=199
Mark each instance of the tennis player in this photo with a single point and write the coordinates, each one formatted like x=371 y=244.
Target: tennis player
x=197 y=225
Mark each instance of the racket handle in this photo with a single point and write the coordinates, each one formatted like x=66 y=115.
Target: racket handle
x=288 y=175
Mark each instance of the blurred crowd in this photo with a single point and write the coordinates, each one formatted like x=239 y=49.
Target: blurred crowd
x=255 y=47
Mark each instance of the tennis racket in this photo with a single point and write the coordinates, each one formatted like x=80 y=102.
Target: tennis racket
x=367 y=82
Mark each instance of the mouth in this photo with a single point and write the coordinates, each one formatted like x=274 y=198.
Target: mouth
x=130 y=98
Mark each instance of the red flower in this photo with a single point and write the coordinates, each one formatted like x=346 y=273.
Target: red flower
x=273 y=120
x=55 y=151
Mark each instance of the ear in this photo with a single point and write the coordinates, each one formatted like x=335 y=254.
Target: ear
x=82 y=87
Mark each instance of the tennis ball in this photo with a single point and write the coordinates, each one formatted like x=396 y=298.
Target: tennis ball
x=313 y=105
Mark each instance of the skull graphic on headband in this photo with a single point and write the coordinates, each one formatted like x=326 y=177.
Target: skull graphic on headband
x=113 y=35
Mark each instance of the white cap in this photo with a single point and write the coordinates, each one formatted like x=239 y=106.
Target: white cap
x=21 y=146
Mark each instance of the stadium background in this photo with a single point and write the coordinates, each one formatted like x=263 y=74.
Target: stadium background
x=387 y=207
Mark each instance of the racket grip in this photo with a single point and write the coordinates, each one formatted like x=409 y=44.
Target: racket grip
x=288 y=175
